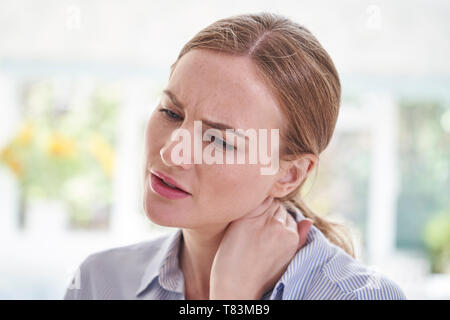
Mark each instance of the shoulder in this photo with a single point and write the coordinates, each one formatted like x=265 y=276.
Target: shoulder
x=322 y=270
x=114 y=272
x=358 y=281
x=128 y=255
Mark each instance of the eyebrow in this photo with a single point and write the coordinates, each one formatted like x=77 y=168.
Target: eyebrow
x=212 y=124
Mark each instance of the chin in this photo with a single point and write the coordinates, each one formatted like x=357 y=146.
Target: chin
x=161 y=221
x=164 y=213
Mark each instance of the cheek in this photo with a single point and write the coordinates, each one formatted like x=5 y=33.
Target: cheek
x=234 y=190
x=150 y=130
x=156 y=133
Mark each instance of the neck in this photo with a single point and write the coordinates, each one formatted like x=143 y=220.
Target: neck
x=197 y=253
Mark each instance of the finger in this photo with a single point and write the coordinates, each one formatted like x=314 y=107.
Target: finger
x=270 y=212
x=291 y=223
x=280 y=215
x=303 y=229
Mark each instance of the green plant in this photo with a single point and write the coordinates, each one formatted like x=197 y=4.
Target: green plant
x=437 y=240
x=65 y=154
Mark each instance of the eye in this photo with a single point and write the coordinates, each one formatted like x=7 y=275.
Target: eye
x=221 y=143
x=170 y=114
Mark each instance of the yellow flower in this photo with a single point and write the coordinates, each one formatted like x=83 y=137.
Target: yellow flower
x=6 y=153
x=60 y=146
x=103 y=152
x=8 y=156
x=16 y=167
x=25 y=134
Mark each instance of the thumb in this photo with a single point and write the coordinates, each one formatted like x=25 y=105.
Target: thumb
x=303 y=228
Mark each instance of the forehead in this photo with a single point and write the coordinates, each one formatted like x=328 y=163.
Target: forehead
x=222 y=87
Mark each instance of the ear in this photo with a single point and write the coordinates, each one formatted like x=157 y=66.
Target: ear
x=292 y=174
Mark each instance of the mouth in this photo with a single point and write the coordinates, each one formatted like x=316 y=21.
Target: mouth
x=166 y=189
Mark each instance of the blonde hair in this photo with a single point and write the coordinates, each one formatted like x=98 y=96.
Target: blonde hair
x=303 y=78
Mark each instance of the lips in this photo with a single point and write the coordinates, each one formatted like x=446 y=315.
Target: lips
x=168 y=180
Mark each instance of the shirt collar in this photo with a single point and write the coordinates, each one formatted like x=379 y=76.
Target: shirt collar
x=164 y=265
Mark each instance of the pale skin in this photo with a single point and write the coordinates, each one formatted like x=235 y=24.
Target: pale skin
x=231 y=221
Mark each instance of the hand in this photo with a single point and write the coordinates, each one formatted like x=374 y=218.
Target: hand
x=255 y=252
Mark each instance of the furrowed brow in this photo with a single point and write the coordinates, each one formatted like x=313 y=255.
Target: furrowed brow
x=173 y=98
x=223 y=127
x=212 y=124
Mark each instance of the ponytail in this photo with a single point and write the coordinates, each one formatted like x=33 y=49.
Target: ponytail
x=336 y=233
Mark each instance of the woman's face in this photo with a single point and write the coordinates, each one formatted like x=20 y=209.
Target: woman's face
x=222 y=89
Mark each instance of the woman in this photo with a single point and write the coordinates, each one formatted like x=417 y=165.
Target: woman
x=241 y=234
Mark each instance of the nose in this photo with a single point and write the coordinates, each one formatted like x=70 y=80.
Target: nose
x=178 y=152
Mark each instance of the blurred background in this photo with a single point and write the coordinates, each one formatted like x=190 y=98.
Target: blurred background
x=78 y=80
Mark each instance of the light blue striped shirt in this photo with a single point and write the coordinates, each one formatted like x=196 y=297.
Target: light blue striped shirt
x=150 y=270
